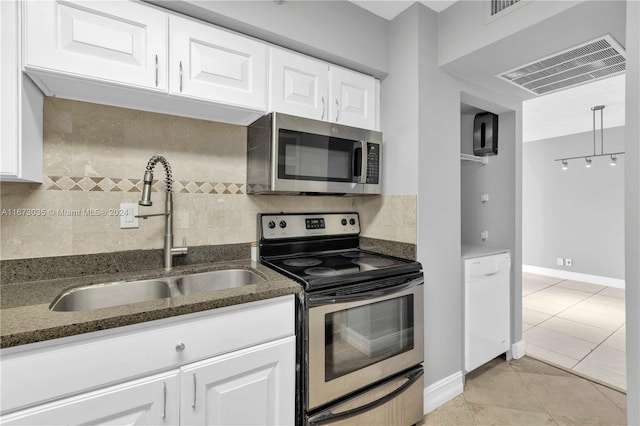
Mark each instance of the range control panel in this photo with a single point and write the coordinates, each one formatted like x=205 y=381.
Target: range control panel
x=300 y=225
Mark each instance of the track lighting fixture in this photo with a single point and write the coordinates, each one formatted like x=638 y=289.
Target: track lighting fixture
x=588 y=158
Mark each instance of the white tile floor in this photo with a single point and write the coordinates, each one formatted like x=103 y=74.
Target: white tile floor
x=578 y=326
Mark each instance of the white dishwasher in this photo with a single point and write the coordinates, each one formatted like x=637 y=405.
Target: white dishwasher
x=486 y=308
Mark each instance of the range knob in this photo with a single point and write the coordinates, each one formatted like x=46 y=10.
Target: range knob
x=344 y=222
x=271 y=224
x=283 y=224
x=352 y=221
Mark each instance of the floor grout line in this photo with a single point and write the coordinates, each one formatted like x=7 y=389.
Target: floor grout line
x=611 y=333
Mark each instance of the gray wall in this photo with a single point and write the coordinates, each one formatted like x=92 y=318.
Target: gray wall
x=399 y=103
x=632 y=209
x=439 y=204
x=496 y=179
x=576 y=213
x=336 y=31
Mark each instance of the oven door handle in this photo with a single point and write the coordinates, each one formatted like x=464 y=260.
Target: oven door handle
x=315 y=300
x=328 y=416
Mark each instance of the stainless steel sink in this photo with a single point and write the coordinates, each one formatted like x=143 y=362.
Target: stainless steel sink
x=106 y=295
x=110 y=294
x=216 y=280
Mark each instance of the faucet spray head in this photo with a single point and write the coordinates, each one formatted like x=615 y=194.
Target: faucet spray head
x=146 y=189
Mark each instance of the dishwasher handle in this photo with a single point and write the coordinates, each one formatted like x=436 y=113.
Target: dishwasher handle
x=328 y=416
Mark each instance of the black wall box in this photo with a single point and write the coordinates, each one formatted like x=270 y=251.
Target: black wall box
x=485 y=134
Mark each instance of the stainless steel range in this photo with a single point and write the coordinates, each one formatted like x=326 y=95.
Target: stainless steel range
x=359 y=321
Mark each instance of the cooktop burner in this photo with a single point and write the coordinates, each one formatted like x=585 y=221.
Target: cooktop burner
x=321 y=250
x=320 y=271
x=302 y=262
x=353 y=254
x=374 y=261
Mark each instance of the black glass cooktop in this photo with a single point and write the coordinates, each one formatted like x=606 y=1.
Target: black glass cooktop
x=324 y=269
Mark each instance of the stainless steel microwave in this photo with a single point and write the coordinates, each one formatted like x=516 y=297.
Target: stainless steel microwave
x=294 y=155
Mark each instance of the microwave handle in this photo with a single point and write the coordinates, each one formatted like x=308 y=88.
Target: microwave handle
x=328 y=416
x=360 y=162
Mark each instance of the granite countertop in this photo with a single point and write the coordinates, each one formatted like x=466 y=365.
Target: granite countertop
x=25 y=316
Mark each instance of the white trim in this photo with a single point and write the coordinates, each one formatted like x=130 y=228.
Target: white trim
x=576 y=276
x=443 y=391
x=518 y=350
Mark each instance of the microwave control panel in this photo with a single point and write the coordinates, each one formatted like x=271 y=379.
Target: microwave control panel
x=373 y=162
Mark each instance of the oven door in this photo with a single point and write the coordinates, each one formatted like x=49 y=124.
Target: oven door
x=356 y=340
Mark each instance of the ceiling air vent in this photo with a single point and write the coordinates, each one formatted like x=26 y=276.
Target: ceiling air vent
x=500 y=5
x=584 y=63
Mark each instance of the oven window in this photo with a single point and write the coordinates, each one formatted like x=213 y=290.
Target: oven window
x=303 y=156
x=358 y=337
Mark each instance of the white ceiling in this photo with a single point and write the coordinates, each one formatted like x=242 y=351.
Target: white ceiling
x=557 y=114
x=569 y=111
x=389 y=9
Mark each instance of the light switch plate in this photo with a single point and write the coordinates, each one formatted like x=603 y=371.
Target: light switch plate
x=128 y=213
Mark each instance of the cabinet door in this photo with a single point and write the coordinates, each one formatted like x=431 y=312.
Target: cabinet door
x=254 y=386
x=149 y=401
x=212 y=64
x=118 y=41
x=20 y=106
x=299 y=84
x=352 y=98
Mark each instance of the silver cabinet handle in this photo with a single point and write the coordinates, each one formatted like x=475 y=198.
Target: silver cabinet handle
x=180 y=347
x=338 y=112
x=194 y=391
x=156 y=70
x=180 y=76
x=164 y=398
x=323 y=108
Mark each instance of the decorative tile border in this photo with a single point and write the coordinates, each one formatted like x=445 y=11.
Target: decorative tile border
x=109 y=184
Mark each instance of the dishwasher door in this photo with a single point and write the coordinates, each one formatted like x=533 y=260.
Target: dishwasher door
x=487 y=308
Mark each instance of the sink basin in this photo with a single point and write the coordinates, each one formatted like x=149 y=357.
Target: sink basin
x=124 y=292
x=216 y=280
x=110 y=294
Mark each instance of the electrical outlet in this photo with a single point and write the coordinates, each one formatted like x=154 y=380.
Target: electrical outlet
x=560 y=261
x=568 y=262
x=484 y=197
x=128 y=219
x=484 y=235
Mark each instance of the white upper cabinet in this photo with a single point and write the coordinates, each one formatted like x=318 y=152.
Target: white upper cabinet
x=353 y=98
x=299 y=84
x=117 y=41
x=214 y=64
x=20 y=106
x=307 y=87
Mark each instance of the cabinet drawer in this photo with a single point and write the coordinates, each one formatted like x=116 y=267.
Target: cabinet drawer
x=33 y=376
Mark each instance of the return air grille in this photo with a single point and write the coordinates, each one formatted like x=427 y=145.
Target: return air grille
x=585 y=63
x=500 y=5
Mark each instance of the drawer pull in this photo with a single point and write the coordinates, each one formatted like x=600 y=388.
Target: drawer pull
x=180 y=347
x=194 y=391
x=164 y=398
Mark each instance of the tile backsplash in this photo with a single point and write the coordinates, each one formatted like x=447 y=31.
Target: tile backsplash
x=95 y=157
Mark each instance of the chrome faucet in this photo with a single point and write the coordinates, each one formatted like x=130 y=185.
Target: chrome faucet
x=169 y=249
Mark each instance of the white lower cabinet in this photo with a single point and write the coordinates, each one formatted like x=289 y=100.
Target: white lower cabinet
x=255 y=386
x=228 y=366
x=149 y=401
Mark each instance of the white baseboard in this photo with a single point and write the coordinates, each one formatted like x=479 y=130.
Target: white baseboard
x=443 y=391
x=575 y=276
x=518 y=350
